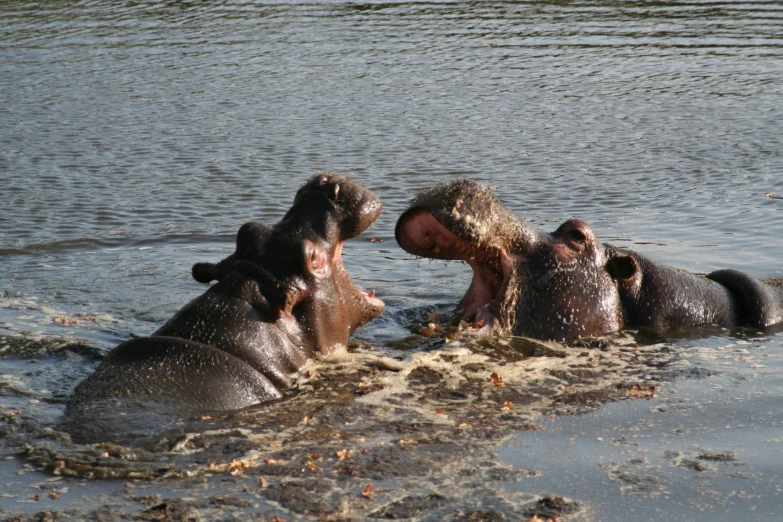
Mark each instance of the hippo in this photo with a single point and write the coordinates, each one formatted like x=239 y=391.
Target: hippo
x=282 y=298
x=567 y=285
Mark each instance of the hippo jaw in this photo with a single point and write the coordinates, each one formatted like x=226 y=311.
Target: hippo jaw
x=488 y=294
x=366 y=306
x=488 y=305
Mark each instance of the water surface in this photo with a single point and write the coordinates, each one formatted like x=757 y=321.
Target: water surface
x=137 y=137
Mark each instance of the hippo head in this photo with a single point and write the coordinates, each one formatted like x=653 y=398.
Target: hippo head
x=298 y=263
x=525 y=282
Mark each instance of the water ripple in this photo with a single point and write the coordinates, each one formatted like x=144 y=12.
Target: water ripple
x=657 y=122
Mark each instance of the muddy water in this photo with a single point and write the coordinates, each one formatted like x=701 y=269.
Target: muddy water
x=136 y=138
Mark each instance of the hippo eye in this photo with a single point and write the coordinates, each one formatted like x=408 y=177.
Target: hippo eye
x=577 y=235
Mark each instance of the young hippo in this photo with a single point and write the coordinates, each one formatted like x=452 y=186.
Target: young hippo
x=282 y=298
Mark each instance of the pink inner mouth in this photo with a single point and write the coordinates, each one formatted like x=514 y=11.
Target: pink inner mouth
x=423 y=235
x=337 y=260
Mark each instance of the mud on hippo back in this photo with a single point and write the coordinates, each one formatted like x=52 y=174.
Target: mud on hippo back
x=566 y=284
x=282 y=298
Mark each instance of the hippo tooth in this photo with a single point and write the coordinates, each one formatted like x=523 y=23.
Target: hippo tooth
x=371 y=293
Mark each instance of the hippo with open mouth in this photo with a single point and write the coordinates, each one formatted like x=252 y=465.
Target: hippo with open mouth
x=567 y=284
x=282 y=298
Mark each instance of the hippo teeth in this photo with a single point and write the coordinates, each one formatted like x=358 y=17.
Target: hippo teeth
x=370 y=294
x=420 y=232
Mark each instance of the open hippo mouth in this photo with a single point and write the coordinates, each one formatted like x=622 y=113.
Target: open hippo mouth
x=374 y=304
x=525 y=281
x=422 y=234
x=299 y=260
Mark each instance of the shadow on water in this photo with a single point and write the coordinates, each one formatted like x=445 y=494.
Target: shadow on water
x=649 y=335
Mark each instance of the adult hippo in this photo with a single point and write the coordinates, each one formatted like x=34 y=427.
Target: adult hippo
x=283 y=297
x=567 y=284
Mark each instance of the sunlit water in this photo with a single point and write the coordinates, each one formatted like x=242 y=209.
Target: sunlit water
x=135 y=139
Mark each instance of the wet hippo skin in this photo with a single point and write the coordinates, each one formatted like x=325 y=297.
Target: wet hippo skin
x=281 y=298
x=567 y=284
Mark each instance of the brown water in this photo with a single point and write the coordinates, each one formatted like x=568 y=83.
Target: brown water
x=135 y=138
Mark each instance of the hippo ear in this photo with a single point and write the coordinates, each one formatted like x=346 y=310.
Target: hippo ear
x=316 y=259
x=205 y=272
x=251 y=238
x=250 y=242
x=622 y=267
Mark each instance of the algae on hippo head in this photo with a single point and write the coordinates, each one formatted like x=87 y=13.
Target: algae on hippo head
x=525 y=282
